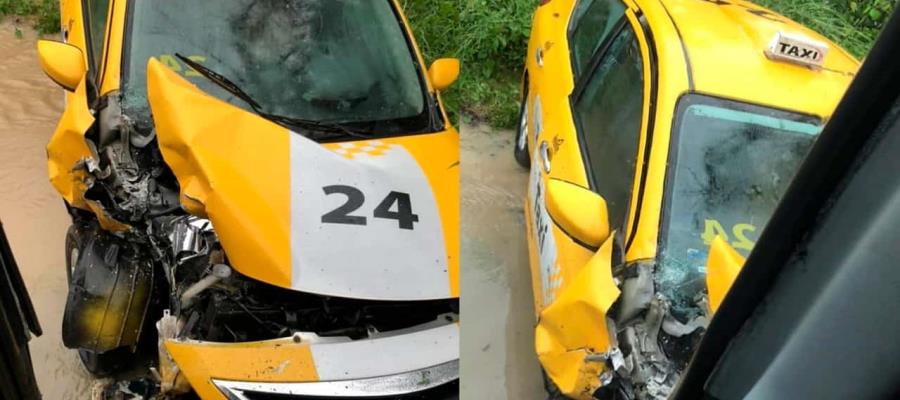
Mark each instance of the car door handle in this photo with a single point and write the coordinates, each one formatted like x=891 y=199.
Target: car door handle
x=544 y=151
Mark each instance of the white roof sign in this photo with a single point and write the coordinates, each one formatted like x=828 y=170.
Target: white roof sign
x=797 y=49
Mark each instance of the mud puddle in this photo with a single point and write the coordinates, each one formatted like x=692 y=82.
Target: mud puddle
x=497 y=347
x=31 y=212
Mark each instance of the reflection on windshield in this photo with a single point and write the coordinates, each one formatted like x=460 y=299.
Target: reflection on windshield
x=734 y=162
x=322 y=60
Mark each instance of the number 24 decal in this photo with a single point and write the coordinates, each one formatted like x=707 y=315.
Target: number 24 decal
x=713 y=228
x=355 y=199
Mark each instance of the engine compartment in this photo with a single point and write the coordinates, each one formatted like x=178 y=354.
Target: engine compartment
x=193 y=291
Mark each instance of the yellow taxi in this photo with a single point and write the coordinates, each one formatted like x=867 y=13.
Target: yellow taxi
x=653 y=129
x=264 y=198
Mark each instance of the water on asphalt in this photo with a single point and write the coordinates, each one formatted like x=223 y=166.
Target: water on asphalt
x=497 y=347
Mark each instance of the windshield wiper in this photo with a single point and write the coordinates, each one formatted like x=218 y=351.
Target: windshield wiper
x=235 y=90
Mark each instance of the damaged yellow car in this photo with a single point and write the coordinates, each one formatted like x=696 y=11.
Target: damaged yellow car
x=660 y=135
x=264 y=199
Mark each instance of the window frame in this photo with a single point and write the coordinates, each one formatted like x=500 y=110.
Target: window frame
x=96 y=62
x=570 y=35
x=650 y=89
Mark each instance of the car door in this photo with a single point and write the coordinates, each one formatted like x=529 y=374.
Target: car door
x=84 y=26
x=589 y=138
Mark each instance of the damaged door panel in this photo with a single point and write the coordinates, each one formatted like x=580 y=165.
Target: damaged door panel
x=574 y=340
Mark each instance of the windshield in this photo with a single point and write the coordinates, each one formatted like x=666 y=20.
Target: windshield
x=731 y=164
x=342 y=61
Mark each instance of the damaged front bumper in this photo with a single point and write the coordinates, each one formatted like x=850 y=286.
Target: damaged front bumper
x=418 y=361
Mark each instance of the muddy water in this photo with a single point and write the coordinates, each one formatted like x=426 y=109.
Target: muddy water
x=497 y=348
x=32 y=213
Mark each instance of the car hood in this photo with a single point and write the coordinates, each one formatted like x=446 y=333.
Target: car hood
x=372 y=219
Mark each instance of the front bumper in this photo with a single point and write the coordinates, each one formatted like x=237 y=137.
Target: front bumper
x=392 y=364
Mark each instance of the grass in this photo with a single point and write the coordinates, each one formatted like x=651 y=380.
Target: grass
x=490 y=38
x=43 y=13
x=852 y=24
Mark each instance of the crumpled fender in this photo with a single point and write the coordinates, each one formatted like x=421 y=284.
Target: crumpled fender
x=722 y=267
x=574 y=327
x=267 y=192
x=67 y=147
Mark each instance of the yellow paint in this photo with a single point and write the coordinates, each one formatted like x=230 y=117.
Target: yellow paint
x=722 y=268
x=567 y=204
x=115 y=34
x=724 y=46
x=63 y=63
x=233 y=167
x=67 y=148
x=443 y=72
x=574 y=326
x=279 y=360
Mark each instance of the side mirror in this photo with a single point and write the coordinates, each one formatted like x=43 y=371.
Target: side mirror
x=443 y=72
x=578 y=211
x=63 y=63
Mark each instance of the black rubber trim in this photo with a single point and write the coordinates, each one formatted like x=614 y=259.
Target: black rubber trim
x=563 y=230
x=843 y=141
x=651 y=122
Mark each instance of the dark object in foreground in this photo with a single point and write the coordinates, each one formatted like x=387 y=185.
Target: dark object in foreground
x=813 y=312
x=17 y=322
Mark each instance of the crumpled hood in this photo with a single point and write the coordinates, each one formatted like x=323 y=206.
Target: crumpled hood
x=372 y=219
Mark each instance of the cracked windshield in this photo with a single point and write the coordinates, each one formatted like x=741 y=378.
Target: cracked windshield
x=731 y=164
x=344 y=61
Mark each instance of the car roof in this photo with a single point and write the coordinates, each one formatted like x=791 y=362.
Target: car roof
x=725 y=42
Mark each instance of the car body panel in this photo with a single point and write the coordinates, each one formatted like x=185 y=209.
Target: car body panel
x=251 y=178
x=715 y=48
x=286 y=360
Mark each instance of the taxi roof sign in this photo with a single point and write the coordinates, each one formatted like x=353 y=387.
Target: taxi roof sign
x=797 y=49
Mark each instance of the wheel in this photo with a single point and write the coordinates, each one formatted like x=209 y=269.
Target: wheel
x=520 y=147
x=105 y=364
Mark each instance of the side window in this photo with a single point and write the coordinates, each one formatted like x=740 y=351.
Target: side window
x=96 y=13
x=609 y=111
x=592 y=21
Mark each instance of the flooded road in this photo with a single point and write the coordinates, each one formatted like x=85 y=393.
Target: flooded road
x=31 y=211
x=497 y=348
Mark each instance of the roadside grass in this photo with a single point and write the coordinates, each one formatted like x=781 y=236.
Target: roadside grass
x=491 y=36
x=44 y=14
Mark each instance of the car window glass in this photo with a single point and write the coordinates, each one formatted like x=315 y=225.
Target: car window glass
x=592 y=22
x=609 y=113
x=325 y=60
x=97 y=12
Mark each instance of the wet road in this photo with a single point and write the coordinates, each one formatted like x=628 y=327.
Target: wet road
x=32 y=213
x=497 y=348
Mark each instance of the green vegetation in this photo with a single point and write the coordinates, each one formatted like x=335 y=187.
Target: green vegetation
x=490 y=37
x=45 y=13
x=854 y=24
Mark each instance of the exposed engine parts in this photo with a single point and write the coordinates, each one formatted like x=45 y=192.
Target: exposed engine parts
x=654 y=342
x=148 y=268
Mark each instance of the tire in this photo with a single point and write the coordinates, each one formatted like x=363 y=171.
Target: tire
x=105 y=364
x=520 y=145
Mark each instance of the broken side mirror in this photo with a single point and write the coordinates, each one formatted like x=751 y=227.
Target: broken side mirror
x=578 y=211
x=63 y=63
x=443 y=72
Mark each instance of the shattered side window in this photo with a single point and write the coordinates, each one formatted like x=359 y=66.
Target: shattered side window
x=326 y=60
x=733 y=162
